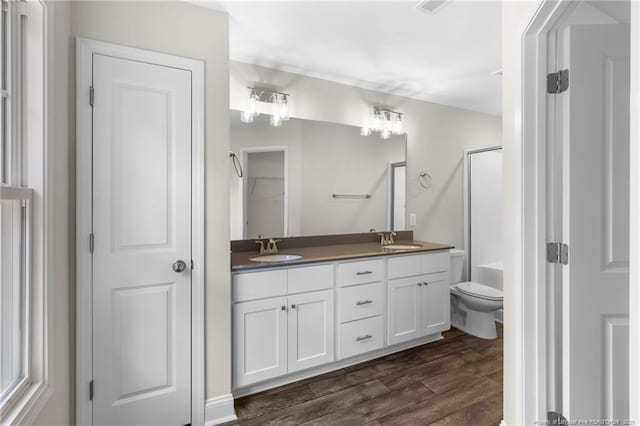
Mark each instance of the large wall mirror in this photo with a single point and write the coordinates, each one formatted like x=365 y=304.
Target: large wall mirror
x=313 y=178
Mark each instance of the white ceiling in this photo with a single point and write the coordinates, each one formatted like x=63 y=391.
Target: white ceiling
x=389 y=46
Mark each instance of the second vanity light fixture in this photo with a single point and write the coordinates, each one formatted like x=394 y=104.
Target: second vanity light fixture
x=384 y=121
x=279 y=105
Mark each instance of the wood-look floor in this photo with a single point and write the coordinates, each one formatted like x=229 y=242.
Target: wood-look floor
x=455 y=381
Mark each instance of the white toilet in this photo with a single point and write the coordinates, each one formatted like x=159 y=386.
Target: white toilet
x=472 y=304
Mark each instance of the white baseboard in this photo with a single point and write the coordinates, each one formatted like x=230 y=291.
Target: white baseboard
x=219 y=410
x=503 y=423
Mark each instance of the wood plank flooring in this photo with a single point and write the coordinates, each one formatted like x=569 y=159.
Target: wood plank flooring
x=456 y=381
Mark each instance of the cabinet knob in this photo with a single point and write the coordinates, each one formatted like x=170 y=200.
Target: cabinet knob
x=425 y=283
x=293 y=306
x=419 y=284
x=284 y=308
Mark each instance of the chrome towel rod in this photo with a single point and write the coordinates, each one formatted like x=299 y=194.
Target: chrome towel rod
x=352 y=196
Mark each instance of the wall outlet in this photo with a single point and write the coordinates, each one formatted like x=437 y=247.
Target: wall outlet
x=412 y=219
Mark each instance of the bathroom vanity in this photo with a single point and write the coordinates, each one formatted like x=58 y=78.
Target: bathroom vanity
x=337 y=305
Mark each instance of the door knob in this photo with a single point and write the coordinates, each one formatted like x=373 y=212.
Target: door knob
x=179 y=266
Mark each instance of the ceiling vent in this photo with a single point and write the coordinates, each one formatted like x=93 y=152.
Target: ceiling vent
x=431 y=6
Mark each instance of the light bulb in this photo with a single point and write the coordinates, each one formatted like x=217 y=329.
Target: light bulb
x=365 y=131
x=275 y=120
x=397 y=128
x=253 y=104
x=386 y=134
x=284 y=108
x=246 y=117
x=377 y=122
x=284 y=111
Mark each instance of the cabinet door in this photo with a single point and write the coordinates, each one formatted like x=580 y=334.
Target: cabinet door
x=259 y=340
x=435 y=303
x=310 y=329
x=403 y=299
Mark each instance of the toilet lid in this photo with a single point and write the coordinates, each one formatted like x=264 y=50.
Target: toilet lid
x=479 y=290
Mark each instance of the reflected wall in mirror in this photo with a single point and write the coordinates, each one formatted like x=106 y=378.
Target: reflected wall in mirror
x=314 y=178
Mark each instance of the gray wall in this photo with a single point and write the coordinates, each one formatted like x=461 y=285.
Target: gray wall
x=437 y=135
x=169 y=27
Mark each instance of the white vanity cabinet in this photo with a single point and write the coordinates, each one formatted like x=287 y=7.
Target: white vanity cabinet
x=417 y=296
x=285 y=325
x=288 y=327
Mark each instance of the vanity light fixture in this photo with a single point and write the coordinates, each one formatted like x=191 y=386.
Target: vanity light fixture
x=384 y=121
x=279 y=105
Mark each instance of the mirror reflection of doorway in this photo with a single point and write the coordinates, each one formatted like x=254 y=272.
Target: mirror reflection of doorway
x=398 y=196
x=265 y=193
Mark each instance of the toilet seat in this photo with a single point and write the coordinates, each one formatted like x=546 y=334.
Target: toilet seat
x=480 y=291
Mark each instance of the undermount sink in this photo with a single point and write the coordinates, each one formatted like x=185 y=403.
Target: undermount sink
x=402 y=246
x=281 y=257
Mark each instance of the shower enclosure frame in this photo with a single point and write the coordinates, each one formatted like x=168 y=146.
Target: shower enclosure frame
x=467 y=204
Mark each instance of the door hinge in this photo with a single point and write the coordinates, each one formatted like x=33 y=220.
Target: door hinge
x=92 y=239
x=192 y=264
x=556 y=419
x=23 y=8
x=558 y=253
x=92 y=94
x=558 y=82
x=91 y=390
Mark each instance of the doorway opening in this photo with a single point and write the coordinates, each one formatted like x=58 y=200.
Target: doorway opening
x=265 y=197
x=397 y=195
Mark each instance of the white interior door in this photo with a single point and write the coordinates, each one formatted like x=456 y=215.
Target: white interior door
x=595 y=222
x=142 y=226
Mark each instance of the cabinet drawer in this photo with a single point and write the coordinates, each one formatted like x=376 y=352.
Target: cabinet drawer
x=404 y=266
x=361 y=336
x=259 y=285
x=361 y=301
x=310 y=278
x=436 y=262
x=367 y=271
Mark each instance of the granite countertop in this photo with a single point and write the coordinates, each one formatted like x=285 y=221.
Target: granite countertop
x=325 y=253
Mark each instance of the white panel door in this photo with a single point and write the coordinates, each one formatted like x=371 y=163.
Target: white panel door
x=142 y=225
x=435 y=304
x=403 y=301
x=259 y=340
x=310 y=329
x=596 y=223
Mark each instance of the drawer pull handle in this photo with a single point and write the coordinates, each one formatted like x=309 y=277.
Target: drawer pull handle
x=365 y=337
x=363 y=302
x=364 y=272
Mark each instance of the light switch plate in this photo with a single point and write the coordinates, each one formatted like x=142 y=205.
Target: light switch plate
x=412 y=219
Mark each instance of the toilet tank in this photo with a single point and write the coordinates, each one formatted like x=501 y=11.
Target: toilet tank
x=456 y=259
